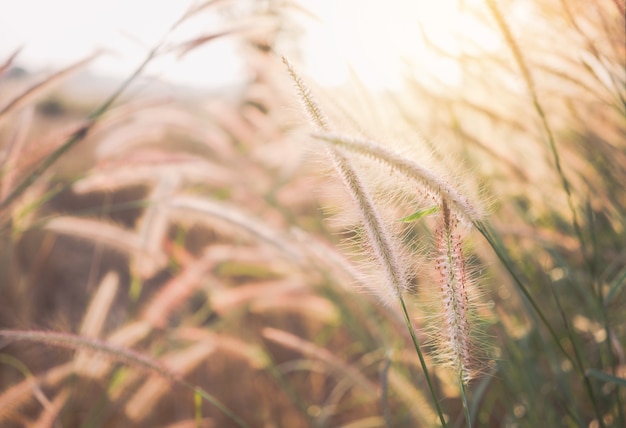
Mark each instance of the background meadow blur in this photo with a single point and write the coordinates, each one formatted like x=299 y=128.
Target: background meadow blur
x=176 y=251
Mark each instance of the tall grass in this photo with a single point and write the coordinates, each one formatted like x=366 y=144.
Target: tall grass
x=174 y=264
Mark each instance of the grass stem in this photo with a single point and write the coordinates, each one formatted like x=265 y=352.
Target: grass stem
x=420 y=355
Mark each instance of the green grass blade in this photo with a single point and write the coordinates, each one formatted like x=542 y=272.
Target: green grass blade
x=419 y=214
x=616 y=287
x=606 y=377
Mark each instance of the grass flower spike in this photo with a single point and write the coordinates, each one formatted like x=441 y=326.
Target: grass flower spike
x=455 y=343
x=381 y=242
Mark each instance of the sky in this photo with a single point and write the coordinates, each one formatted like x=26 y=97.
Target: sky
x=370 y=38
x=53 y=34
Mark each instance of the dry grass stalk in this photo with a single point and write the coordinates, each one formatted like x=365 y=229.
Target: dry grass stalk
x=328 y=258
x=25 y=160
x=93 y=323
x=317 y=308
x=206 y=210
x=9 y=62
x=49 y=417
x=143 y=401
x=130 y=334
x=227 y=300
x=252 y=353
x=65 y=340
x=98 y=310
x=177 y=290
x=128 y=126
x=147 y=166
x=154 y=226
x=14 y=151
x=111 y=235
x=417 y=404
x=12 y=399
x=336 y=366
x=40 y=88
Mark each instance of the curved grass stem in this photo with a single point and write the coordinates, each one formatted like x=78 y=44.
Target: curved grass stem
x=576 y=360
x=420 y=355
x=118 y=354
x=466 y=412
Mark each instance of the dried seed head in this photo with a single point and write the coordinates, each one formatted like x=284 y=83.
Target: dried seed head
x=455 y=343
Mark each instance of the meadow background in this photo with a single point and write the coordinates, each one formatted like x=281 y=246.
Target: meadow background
x=180 y=256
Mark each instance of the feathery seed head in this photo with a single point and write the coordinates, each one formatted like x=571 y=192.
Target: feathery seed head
x=456 y=344
x=433 y=185
x=311 y=106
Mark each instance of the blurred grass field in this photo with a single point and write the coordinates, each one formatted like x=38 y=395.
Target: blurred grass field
x=181 y=259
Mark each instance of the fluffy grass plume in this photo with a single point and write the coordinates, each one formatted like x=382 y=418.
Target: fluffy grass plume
x=454 y=341
x=386 y=250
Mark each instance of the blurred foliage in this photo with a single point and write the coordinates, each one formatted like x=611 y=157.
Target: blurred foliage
x=175 y=253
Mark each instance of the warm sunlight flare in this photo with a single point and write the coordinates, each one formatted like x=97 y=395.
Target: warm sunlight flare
x=378 y=43
x=383 y=42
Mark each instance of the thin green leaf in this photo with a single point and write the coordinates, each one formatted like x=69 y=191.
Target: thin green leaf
x=616 y=287
x=419 y=214
x=606 y=377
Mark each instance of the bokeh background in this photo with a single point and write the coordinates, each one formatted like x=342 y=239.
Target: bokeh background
x=177 y=251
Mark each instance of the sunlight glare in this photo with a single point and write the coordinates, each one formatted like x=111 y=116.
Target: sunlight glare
x=377 y=42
